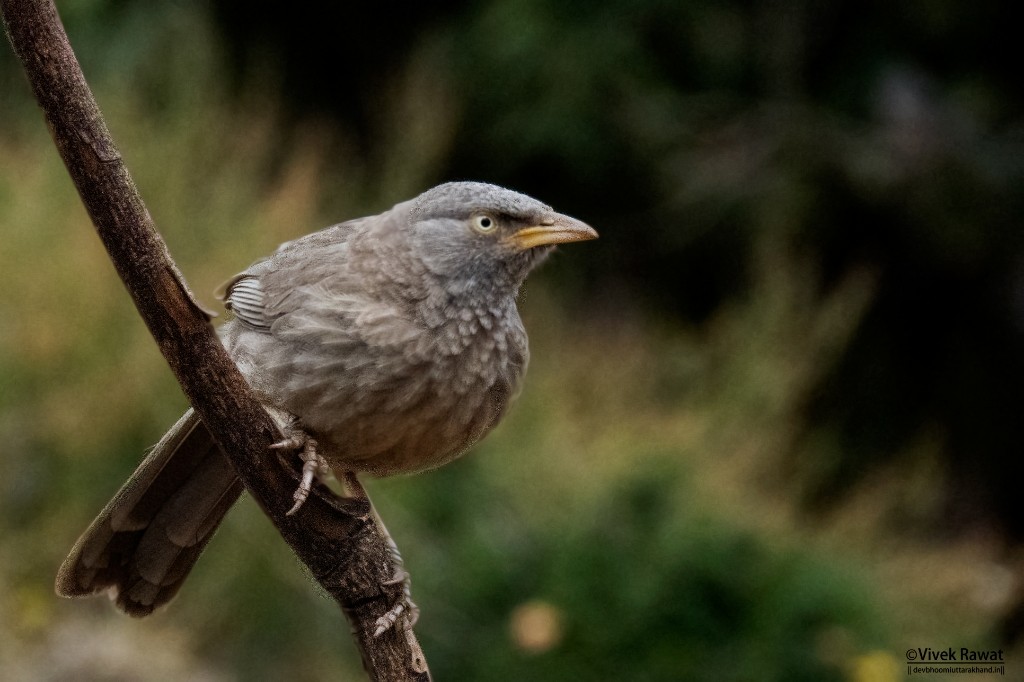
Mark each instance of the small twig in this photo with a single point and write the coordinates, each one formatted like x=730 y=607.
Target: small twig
x=336 y=539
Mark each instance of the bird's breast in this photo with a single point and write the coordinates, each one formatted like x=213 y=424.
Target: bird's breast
x=400 y=408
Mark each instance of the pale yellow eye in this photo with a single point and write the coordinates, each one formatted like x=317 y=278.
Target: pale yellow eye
x=484 y=223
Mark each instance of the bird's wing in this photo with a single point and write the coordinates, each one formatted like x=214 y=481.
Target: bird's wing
x=257 y=295
x=323 y=288
x=244 y=297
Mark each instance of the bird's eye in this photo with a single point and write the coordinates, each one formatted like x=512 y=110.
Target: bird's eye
x=484 y=223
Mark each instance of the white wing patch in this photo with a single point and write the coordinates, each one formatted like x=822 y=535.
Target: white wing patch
x=246 y=300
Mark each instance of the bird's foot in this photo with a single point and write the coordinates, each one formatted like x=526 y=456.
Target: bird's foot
x=313 y=464
x=405 y=605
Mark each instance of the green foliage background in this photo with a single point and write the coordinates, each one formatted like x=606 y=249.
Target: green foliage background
x=642 y=513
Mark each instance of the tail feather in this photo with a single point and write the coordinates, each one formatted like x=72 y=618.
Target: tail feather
x=143 y=544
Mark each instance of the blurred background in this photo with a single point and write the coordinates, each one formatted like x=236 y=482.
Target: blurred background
x=772 y=427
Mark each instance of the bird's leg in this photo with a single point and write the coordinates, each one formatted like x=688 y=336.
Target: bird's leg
x=405 y=604
x=313 y=464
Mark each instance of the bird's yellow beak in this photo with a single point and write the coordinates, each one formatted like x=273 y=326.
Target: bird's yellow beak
x=555 y=229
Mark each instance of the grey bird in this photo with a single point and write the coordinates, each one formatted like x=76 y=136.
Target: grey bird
x=394 y=344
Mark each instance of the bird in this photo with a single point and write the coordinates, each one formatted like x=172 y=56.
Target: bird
x=386 y=345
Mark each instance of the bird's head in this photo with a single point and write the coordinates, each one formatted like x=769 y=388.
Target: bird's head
x=481 y=239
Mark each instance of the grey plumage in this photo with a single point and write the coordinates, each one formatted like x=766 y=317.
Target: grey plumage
x=394 y=340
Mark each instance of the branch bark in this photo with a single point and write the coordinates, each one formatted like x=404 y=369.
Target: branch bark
x=336 y=538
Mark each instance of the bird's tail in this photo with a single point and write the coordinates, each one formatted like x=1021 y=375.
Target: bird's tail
x=143 y=544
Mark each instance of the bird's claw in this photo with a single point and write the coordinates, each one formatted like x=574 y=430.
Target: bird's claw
x=313 y=464
x=293 y=441
x=405 y=606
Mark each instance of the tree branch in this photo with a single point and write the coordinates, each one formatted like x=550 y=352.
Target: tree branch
x=336 y=538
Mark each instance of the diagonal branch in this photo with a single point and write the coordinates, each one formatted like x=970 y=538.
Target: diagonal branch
x=337 y=539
